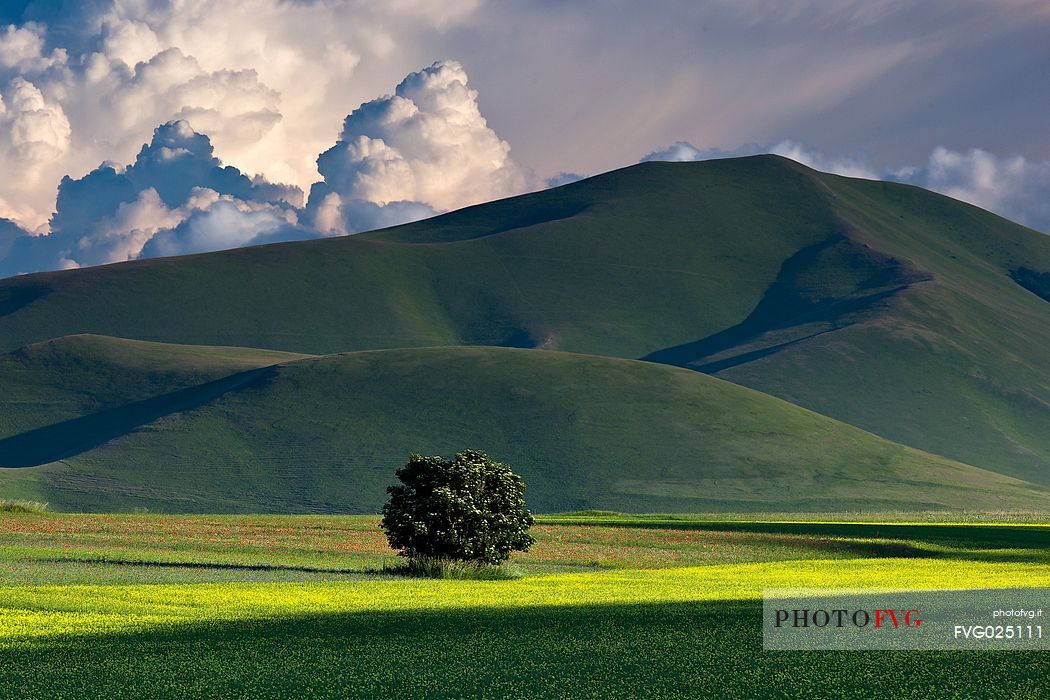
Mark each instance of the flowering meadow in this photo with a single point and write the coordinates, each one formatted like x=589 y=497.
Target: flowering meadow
x=281 y=606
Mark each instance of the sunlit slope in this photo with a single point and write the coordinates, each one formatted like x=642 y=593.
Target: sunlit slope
x=326 y=434
x=882 y=305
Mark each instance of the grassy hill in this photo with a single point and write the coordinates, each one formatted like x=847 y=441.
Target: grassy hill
x=900 y=311
x=66 y=395
x=327 y=433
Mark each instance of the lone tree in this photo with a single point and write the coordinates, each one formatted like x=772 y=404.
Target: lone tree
x=468 y=508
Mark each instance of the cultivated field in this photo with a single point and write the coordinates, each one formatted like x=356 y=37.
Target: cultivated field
x=604 y=606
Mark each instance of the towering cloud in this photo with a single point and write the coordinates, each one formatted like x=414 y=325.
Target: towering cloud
x=425 y=148
x=267 y=80
x=34 y=137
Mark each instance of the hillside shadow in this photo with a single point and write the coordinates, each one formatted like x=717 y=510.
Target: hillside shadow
x=821 y=288
x=72 y=437
x=17 y=297
x=1037 y=283
x=707 y=649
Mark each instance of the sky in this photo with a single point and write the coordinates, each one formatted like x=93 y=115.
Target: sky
x=138 y=128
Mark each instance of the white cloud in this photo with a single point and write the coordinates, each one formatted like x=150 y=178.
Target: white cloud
x=227 y=223
x=121 y=236
x=400 y=158
x=22 y=50
x=268 y=80
x=37 y=130
x=34 y=139
x=677 y=152
x=177 y=197
x=130 y=42
x=425 y=148
x=683 y=152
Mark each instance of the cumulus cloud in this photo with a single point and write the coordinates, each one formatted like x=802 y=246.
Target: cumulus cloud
x=267 y=80
x=228 y=223
x=177 y=197
x=34 y=136
x=424 y=149
x=1011 y=186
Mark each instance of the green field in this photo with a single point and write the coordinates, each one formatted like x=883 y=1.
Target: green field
x=604 y=606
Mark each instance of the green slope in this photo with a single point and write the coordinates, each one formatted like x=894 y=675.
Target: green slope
x=908 y=314
x=638 y=269
x=958 y=365
x=326 y=434
x=65 y=395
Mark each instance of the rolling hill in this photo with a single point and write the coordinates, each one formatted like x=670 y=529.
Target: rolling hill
x=326 y=433
x=910 y=315
x=68 y=394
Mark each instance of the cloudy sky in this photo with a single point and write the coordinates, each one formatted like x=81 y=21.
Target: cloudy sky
x=135 y=128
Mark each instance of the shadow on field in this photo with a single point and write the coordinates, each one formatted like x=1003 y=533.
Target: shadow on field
x=708 y=649
x=963 y=536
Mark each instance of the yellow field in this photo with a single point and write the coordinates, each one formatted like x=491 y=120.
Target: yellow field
x=34 y=613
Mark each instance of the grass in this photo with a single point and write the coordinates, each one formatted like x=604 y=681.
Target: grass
x=8 y=505
x=33 y=613
x=325 y=434
x=77 y=549
x=449 y=569
x=636 y=624
x=61 y=380
x=666 y=650
x=881 y=305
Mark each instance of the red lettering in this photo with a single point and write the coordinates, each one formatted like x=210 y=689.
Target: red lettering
x=880 y=615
